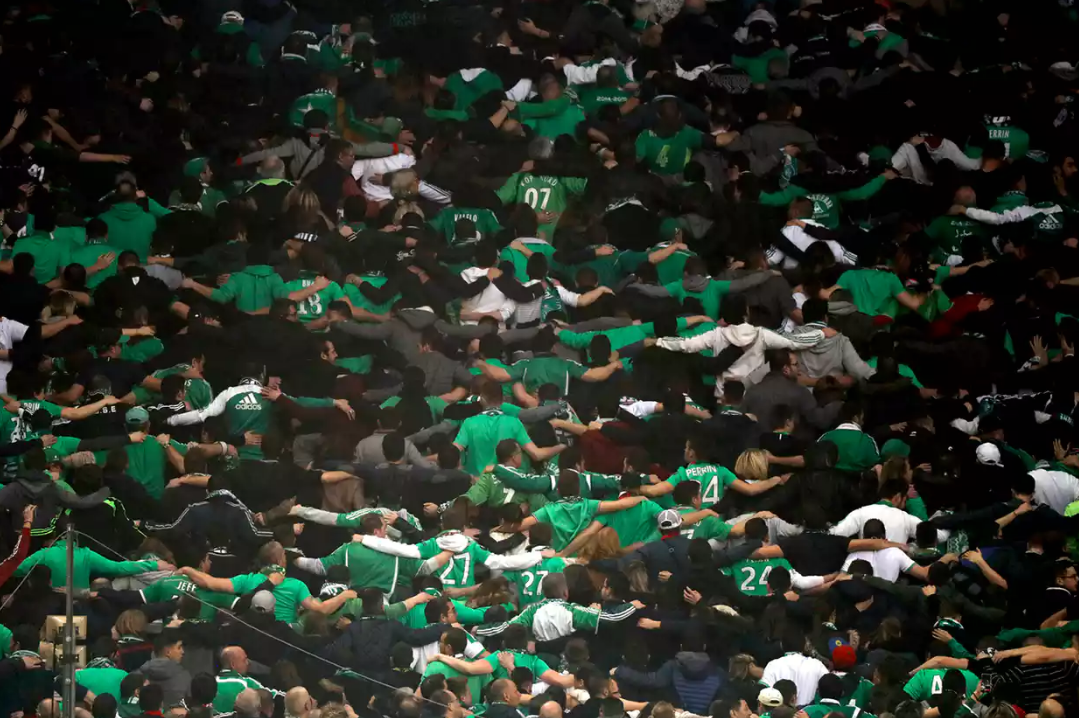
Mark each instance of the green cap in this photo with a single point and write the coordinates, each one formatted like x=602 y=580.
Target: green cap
x=194 y=167
x=5 y=641
x=894 y=447
x=137 y=416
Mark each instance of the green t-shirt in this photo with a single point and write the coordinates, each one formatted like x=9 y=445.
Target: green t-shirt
x=167 y=589
x=358 y=300
x=368 y=568
x=445 y=222
x=751 y=575
x=546 y=369
x=476 y=684
x=714 y=480
x=480 y=434
x=668 y=155
x=948 y=233
x=102 y=680
x=593 y=99
x=521 y=659
x=710 y=527
x=567 y=518
x=529 y=581
x=636 y=524
x=930 y=682
x=873 y=290
x=289 y=594
x=542 y=193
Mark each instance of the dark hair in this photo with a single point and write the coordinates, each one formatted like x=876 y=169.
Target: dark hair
x=151 y=697
x=203 y=689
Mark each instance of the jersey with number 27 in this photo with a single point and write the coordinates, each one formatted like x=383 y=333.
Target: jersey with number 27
x=529 y=581
x=460 y=570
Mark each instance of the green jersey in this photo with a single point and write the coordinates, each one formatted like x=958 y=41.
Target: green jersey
x=668 y=155
x=948 y=233
x=593 y=99
x=445 y=223
x=358 y=300
x=567 y=518
x=460 y=570
x=252 y=289
x=521 y=659
x=536 y=489
x=476 y=684
x=87 y=563
x=636 y=524
x=320 y=99
x=315 y=306
x=520 y=261
x=99 y=681
x=710 y=527
x=50 y=255
x=466 y=91
x=490 y=491
x=711 y=298
x=229 y=685
x=529 y=582
x=480 y=434
x=873 y=291
x=167 y=589
x=546 y=369
x=857 y=449
x=930 y=682
x=88 y=255
x=370 y=568
x=289 y=594
x=714 y=480
x=542 y=193
x=825 y=706
x=752 y=575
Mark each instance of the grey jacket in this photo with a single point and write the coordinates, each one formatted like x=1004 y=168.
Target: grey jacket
x=173 y=678
x=775 y=390
x=764 y=143
x=834 y=355
x=297 y=151
x=369 y=450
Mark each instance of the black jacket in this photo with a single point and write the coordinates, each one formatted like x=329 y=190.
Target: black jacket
x=221 y=519
x=365 y=645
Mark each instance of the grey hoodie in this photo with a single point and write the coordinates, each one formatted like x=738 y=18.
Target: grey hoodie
x=833 y=355
x=173 y=678
x=314 y=147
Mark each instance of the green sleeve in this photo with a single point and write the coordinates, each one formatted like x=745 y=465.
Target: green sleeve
x=916 y=508
x=467 y=615
x=575 y=185
x=629 y=260
x=254 y=55
x=29 y=562
x=936 y=227
x=508 y=192
x=520 y=434
x=604 y=485
x=510 y=410
x=479 y=493
x=227 y=292
x=278 y=290
x=101 y=566
x=575 y=369
x=681 y=324
x=395 y=611
x=958 y=651
x=916 y=687
x=337 y=558
x=783 y=197
x=549 y=108
x=313 y=402
x=517 y=370
x=866 y=191
x=181 y=449
x=575 y=340
x=155 y=209
x=584 y=618
x=529 y=483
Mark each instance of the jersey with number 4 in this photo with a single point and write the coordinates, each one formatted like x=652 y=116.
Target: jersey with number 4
x=752 y=575
x=460 y=570
x=315 y=306
x=540 y=192
x=530 y=579
x=714 y=480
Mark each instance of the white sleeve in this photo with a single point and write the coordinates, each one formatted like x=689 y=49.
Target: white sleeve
x=775 y=256
x=958 y=157
x=804 y=582
x=768 y=678
x=318 y=516
x=570 y=299
x=498 y=562
x=521 y=91
x=842 y=256
x=691 y=345
x=577 y=75
x=1018 y=214
x=849 y=526
x=17 y=330
x=641 y=409
x=796 y=341
x=393 y=548
x=214 y=408
x=314 y=565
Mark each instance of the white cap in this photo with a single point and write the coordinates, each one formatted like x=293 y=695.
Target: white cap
x=669 y=520
x=988 y=454
x=770 y=697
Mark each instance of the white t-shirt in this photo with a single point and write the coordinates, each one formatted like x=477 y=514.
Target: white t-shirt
x=806 y=672
x=887 y=564
x=11 y=332
x=489 y=301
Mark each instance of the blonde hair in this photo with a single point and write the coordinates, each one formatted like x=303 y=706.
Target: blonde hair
x=663 y=709
x=61 y=305
x=752 y=465
x=895 y=467
x=304 y=205
x=131 y=622
x=603 y=544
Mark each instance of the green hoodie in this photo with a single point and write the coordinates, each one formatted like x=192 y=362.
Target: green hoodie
x=252 y=289
x=130 y=228
x=50 y=255
x=86 y=563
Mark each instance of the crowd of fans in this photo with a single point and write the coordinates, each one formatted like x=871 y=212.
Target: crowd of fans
x=425 y=359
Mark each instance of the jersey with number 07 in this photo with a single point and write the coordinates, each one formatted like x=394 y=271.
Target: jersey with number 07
x=460 y=570
x=540 y=192
x=752 y=575
x=530 y=579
